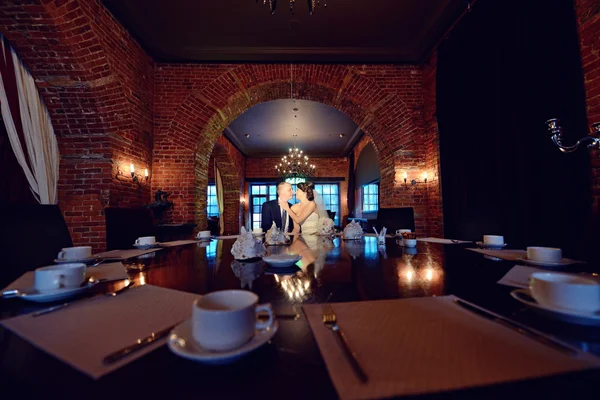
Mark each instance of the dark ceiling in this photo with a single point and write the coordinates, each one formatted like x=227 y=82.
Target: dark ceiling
x=271 y=127
x=353 y=31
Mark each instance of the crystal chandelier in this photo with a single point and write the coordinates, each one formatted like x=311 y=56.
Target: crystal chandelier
x=295 y=164
x=312 y=4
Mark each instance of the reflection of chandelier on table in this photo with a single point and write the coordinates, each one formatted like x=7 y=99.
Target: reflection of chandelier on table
x=295 y=164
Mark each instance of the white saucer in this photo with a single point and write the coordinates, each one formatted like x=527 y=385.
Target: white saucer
x=146 y=246
x=523 y=296
x=82 y=260
x=181 y=342
x=282 y=260
x=563 y=262
x=491 y=246
x=52 y=295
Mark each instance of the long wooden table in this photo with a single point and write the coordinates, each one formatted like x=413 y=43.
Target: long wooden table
x=290 y=366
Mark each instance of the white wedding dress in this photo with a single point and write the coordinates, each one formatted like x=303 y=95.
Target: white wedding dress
x=309 y=226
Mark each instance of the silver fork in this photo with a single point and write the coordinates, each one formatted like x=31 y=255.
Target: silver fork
x=330 y=321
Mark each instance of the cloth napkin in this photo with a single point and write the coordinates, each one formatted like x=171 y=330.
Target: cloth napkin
x=510 y=255
x=443 y=241
x=177 y=243
x=427 y=345
x=518 y=276
x=107 y=271
x=82 y=334
x=125 y=254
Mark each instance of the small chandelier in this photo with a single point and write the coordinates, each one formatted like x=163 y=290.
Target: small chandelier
x=295 y=164
x=312 y=4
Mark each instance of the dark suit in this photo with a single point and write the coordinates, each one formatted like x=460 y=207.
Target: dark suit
x=271 y=212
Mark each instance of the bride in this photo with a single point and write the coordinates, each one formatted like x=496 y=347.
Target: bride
x=306 y=214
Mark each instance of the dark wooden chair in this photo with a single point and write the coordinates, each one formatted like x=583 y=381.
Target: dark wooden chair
x=213 y=225
x=125 y=225
x=31 y=235
x=395 y=218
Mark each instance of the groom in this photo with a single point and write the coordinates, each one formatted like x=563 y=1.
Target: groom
x=272 y=212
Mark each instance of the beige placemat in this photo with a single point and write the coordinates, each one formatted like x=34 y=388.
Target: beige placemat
x=442 y=241
x=518 y=276
x=106 y=271
x=227 y=237
x=177 y=243
x=125 y=254
x=427 y=345
x=82 y=334
x=510 y=255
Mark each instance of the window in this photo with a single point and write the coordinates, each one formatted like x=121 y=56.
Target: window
x=370 y=197
x=259 y=193
x=212 y=208
x=330 y=193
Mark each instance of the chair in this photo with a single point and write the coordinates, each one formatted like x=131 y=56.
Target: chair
x=31 y=235
x=395 y=218
x=213 y=225
x=125 y=225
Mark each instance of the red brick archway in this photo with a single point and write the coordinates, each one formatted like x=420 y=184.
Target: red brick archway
x=221 y=94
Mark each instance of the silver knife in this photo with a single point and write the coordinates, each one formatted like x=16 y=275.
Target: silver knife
x=515 y=326
x=138 y=345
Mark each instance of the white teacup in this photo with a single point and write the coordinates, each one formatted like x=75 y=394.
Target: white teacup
x=75 y=253
x=493 y=240
x=226 y=319
x=203 y=235
x=409 y=242
x=145 y=240
x=566 y=291
x=544 y=254
x=257 y=231
x=58 y=276
x=399 y=232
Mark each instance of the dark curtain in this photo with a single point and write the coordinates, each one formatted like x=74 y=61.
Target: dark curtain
x=505 y=69
x=351 y=186
x=14 y=188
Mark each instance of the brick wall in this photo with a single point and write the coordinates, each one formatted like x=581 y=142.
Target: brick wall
x=324 y=168
x=588 y=21
x=98 y=86
x=198 y=101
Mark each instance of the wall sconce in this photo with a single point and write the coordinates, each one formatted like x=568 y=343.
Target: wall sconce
x=556 y=132
x=134 y=178
x=412 y=183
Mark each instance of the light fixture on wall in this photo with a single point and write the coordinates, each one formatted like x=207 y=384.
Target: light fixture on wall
x=135 y=178
x=312 y=5
x=414 y=182
x=556 y=132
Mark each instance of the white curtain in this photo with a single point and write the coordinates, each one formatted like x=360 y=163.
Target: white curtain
x=220 y=202
x=35 y=148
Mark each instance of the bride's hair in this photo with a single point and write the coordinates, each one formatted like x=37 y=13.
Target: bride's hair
x=308 y=188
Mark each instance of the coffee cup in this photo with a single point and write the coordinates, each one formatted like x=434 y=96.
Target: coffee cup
x=226 y=319
x=145 y=240
x=565 y=291
x=409 y=242
x=399 y=232
x=544 y=254
x=493 y=240
x=203 y=235
x=257 y=231
x=75 y=253
x=61 y=276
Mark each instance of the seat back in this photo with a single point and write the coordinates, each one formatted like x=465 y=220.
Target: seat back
x=125 y=225
x=31 y=235
x=395 y=218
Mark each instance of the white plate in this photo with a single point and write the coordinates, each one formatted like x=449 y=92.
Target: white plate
x=181 y=342
x=146 y=246
x=52 y=295
x=523 y=296
x=563 y=262
x=82 y=260
x=282 y=260
x=491 y=246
